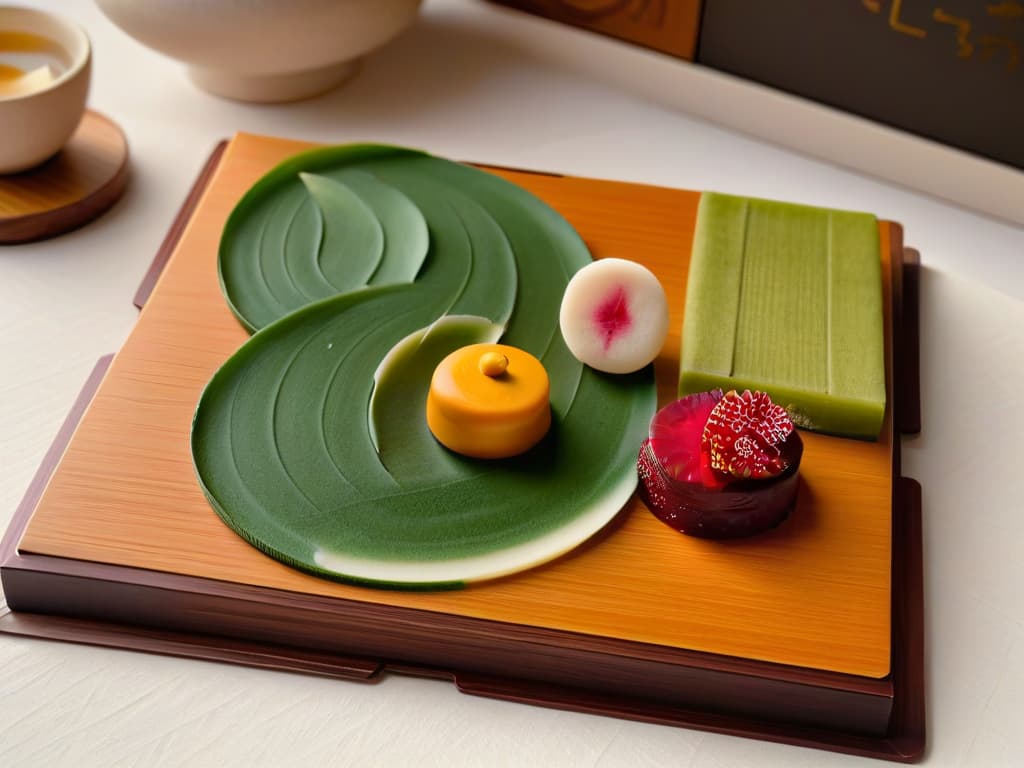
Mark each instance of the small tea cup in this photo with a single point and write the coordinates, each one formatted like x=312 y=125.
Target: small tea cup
x=45 y=65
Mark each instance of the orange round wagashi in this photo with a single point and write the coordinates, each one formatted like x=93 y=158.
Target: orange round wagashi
x=489 y=401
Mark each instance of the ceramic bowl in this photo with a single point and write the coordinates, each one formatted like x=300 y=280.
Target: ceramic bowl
x=274 y=50
x=36 y=123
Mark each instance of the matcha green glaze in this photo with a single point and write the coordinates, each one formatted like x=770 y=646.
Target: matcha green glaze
x=362 y=267
x=788 y=299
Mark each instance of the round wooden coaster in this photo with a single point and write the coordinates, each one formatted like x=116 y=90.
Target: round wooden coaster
x=70 y=189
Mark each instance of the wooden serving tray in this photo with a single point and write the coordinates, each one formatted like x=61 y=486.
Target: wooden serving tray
x=810 y=634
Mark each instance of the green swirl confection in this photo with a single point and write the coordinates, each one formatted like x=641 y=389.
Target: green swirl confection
x=359 y=268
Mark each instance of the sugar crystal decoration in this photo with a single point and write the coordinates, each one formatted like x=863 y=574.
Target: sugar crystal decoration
x=743 y=434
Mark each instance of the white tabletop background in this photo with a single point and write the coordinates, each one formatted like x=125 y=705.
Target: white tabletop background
x=475 y=82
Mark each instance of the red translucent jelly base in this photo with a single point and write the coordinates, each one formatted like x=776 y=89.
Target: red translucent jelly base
x=743 y=508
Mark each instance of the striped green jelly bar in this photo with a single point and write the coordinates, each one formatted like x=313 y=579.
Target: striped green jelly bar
x=788 y=299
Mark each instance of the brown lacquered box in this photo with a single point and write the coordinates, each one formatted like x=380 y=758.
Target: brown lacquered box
x=949 y=71
x=810 y=634
x=670 y=26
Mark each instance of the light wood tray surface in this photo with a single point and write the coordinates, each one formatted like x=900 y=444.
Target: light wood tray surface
x=814 y=593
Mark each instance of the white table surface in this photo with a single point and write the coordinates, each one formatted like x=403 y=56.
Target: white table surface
x=470 y=81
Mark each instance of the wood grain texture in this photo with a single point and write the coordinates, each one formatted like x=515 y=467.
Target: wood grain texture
x=173 y=235
x=71 y=189
x=670 y=26
x=815 y=593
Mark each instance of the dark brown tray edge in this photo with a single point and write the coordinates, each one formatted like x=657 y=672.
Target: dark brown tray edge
x=185 y=645
x=909 y=390
x=181 y=220
x=907 y=729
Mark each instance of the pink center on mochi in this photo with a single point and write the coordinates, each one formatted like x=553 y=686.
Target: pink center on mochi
x=612 y=316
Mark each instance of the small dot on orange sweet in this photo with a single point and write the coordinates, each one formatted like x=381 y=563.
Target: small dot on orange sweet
x=493 y=364
x=489 y=401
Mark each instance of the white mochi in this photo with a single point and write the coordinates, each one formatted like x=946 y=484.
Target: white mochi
x=614 y=316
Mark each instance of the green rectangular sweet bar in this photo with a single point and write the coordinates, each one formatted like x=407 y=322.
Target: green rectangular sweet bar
x=787 y=299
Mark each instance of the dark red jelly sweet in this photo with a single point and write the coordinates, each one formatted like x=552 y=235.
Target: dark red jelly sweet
x=680 y=486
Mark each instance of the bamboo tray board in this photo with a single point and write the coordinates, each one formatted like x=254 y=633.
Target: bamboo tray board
x=814 y=606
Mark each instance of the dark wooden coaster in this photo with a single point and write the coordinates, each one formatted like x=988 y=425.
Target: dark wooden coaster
x=70 y=189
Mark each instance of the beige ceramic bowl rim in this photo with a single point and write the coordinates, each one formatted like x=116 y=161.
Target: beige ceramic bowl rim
x=78 y=63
